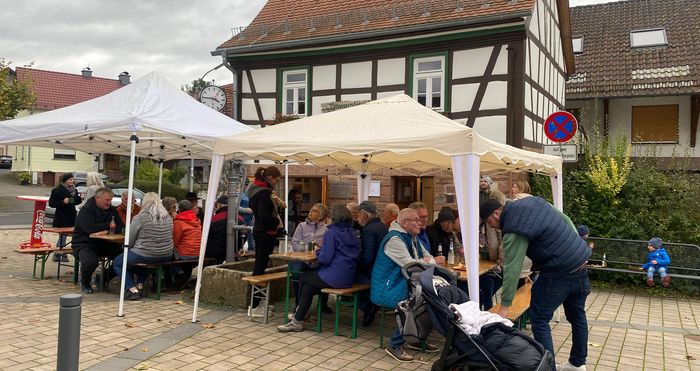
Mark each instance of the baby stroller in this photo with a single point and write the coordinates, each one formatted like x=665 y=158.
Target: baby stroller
x=496 y=347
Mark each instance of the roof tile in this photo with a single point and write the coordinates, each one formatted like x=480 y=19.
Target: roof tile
x=59 y=89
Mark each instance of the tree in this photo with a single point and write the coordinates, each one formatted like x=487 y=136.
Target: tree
x=197 y=86
x=15 y=96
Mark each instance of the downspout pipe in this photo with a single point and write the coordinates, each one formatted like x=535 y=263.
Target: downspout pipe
x=236 y=85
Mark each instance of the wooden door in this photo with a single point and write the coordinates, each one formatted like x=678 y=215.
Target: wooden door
x=427 y=195
x=405 y=190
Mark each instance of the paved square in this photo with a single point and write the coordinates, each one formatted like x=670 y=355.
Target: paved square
x=627 y=331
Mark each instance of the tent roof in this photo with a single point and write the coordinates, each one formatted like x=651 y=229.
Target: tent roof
x=395 y=132
x=169 y=123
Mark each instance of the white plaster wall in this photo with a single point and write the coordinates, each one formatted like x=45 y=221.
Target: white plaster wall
x=265 y=80
x=317 y=101
x=324 y=78
x=248 y=109
x=354 y=97
x=463 y=97
x=268 y=106
x=388 y=94
x=470 y=63
x=501 y=67
x=391 y=71
x=356 y=75
x=496 y=96
x=245 y=84
x=528 y=132
x=493 y=127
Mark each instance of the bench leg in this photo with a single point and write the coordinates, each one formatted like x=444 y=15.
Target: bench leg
x=266 y=296
x=286 y=295
x=381 y=327
x=319 y=313
x=354 y=316
x=75 y=270
x=252 y=297
x=337 y=313
x=44 y=258
x=159 y=278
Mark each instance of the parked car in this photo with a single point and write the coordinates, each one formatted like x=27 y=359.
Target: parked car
x=80 y=178
x=116 y=200
x=5 y=162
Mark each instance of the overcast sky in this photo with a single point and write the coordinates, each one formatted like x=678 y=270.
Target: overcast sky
x=173 y=37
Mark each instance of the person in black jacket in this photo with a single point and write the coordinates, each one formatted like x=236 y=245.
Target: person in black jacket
x=63 y=199
x=371 y=236
x=95 y=216
x=266 y=221
x=441 y=233
x=216 y=242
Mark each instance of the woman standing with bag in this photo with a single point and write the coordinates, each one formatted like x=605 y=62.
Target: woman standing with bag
x=266 y=222
x=63 y=199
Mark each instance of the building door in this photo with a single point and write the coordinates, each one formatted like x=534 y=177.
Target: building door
x=408 y=189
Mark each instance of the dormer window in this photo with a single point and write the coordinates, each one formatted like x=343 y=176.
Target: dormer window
x=647 y=38
x=578 y=44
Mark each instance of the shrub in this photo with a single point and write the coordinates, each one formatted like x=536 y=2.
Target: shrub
x=24 y=178
x=168 y=189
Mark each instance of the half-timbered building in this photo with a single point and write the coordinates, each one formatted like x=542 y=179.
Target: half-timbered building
x=498 y=66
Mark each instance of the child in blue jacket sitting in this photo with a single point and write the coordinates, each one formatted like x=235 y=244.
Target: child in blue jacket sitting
x=657 y=261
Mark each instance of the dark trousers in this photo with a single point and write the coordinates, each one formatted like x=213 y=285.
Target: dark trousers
x=489 y=283
x=89 y=257
x=264 y=245
x=548 y=293
x=311 y=284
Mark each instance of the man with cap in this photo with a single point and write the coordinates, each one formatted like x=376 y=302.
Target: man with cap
x=193 y=198
x=371 y=236
x=532 y=226
x=441 y=234
x=216 y=242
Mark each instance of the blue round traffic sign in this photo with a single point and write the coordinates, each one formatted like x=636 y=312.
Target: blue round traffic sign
x=560 y=126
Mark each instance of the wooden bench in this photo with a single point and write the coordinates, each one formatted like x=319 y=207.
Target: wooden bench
x=350 y=293
x=260 y=287
x=517 y=312
x=158 y=270
x=42 y=255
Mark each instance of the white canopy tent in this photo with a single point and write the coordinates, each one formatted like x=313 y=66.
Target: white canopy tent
x=166 y=123
x=397 y=133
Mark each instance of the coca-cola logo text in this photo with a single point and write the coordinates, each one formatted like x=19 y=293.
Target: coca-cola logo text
x=39 y=224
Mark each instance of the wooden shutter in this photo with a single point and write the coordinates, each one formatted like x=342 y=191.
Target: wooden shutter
x=655 y=124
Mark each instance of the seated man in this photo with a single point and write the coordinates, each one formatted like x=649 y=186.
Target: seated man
x=400 y=247
x=94 y=217
x=121 y=209
x=441 y=234
x=216 y=241
x=187 y=239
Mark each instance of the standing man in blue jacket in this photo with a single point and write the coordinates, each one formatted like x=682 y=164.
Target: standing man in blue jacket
x=532 y=226
x=399 y=247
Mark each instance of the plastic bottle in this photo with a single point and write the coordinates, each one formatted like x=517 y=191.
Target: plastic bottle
x=112 y=226
x=439 y=252
x=451 y=254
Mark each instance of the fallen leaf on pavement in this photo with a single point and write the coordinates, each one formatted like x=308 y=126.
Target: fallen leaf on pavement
x=690 y=358
x=158 y=319
x=178 y=302
x=129 y=324
x=208 y=325
x=142 y=366
x=594 y=344
x=145 y=350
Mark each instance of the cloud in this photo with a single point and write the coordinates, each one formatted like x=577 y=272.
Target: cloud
x=172 y=37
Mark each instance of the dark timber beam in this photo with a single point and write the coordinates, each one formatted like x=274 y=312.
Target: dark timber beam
x=694 y=116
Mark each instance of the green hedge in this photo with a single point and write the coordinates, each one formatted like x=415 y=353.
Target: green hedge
x=168 y=189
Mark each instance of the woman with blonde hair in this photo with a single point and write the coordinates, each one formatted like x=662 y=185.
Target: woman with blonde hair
x=170 y=204
x=519 y=187
x=150 y=241
x=93 y=182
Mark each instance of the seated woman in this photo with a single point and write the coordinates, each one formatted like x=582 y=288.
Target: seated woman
x=310 y=231
x=150 y=241
x=187 y=239
x=337 y=259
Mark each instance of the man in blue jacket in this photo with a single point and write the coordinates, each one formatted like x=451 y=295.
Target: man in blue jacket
x=398 y=248
x=532 y=226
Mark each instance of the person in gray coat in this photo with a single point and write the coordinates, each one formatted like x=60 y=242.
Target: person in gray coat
x=150 y=241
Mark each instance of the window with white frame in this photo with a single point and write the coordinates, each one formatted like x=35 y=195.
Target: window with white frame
x=429 y=81
x=63 y=154
x=646 y=38
x=578 y=44
x=294 y=90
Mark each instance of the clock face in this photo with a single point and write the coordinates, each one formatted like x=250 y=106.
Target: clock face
x=213 y=97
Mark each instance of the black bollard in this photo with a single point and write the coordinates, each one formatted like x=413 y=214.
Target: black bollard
x=69 y=332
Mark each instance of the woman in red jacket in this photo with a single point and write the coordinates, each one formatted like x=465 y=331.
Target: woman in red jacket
x=187 y=239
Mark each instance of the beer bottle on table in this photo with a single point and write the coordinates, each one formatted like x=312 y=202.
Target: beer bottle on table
x=112 y=226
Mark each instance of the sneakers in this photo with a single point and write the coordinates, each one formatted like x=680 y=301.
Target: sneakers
x=569 y=367
x=650 y=282
x=86 y=289
x=131 y=295
x=258 y=312
x=270 y=307
x=370 y=315
x=399 y=354
x=291 y=326
x=429 y=348
x=666 y=281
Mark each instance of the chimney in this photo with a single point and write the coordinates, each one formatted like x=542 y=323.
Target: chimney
x=124 y=78
x=87 y=72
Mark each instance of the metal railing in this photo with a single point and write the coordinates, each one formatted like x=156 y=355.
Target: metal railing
x=685 y=258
